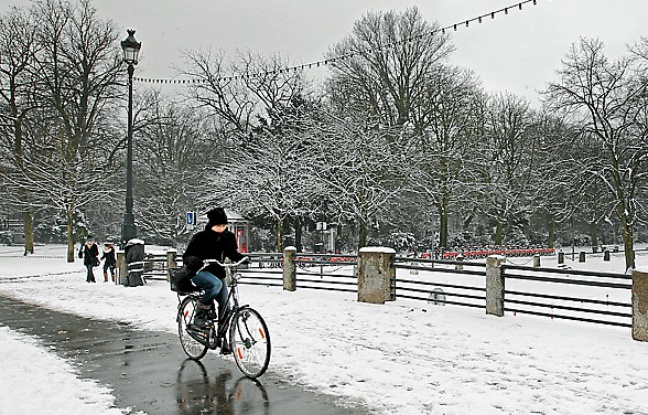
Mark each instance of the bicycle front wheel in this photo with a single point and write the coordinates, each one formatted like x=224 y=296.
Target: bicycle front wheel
x=250 y=342
x=194 y=341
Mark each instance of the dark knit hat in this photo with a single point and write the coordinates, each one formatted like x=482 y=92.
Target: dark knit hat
x=217 y=216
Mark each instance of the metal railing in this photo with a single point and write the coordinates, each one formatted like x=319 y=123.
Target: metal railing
x=441 y=282
x=316 y=271
x=593 y=297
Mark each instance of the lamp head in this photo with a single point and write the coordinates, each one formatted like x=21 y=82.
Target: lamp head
x=131 y=48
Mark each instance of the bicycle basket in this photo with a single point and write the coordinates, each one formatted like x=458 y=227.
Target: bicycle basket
x=180 y=279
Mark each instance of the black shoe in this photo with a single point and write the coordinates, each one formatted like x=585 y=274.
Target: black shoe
x=201 y=319
x=225 y=349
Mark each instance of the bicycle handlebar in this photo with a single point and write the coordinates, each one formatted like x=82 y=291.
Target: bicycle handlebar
x=232 y=265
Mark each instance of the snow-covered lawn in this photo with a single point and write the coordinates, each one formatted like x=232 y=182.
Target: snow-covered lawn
x=404 y=357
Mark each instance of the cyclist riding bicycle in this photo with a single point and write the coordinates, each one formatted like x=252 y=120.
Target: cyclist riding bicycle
x=214 y=242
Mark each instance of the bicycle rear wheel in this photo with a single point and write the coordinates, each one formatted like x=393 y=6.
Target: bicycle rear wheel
x=194 y=341
x=250 y=342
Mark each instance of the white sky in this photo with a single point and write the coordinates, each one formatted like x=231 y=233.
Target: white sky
x=518 y=52
x=401 y=358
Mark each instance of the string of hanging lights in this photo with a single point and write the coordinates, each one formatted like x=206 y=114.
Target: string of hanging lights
x=316 y=64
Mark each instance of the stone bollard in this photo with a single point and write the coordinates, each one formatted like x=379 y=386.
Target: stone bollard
x=171 y=262
x=640 y=305
x=289 y=269
x=536 y=260
x=606 y=255
x=581 y=256
x=495 y=285
x=561 y=257
x=412 y=270
x=459 y=263
x=375 y=274
x=122 y=267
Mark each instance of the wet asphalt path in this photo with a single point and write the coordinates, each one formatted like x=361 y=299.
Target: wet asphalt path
x=148 y=371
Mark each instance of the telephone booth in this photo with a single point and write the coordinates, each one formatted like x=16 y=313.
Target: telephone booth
x=237 y=224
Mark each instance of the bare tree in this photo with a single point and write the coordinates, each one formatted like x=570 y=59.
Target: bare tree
x=447 y=126
x=608 y=99
x=76 y=77
x=358 y=171
x=176 y=150
x=506 y=160
x=386 y=64
x=18 y=46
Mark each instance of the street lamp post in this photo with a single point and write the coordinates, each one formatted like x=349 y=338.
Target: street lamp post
x=131 y=48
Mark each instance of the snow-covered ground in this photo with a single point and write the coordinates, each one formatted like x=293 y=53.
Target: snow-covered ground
x=404 y=357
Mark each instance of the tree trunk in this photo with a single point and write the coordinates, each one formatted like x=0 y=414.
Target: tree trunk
x=29 y=232
x=362 y=235
x=499 y=231
x=70 y=236
x=279 y=235
x=594 y=233
x=552 y=232
x=628 y=244
x=298 y=234
x=443 y=229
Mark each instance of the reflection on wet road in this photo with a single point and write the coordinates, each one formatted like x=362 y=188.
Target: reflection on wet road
x=198 y=394
x=148 y=371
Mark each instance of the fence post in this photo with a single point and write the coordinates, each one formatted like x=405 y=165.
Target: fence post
x=581 y=256
x=640 y=305
x=459 y=263
x=536 y=260
x=376 y=272
x=495 y=285
x=561 y=257
x=122 y=267
x=289 y=269
x=171 y=262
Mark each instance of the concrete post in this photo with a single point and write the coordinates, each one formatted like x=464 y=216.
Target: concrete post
x=459 y=263
x=536 y=260
x=640 y=305
x=495 y=285
x=375 y=274
x=171 y=262
x=122 y=267
x=289 y=269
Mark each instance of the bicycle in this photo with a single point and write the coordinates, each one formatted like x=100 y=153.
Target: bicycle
x=241 y=328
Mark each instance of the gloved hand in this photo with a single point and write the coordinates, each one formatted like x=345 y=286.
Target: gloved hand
x=193 y=262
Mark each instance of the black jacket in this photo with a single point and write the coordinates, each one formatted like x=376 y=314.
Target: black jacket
x=90 y=256
x=109 y=256
x=208 y=244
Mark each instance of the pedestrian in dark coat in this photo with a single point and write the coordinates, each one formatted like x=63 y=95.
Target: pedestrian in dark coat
x=110 y=261
x=90 y=254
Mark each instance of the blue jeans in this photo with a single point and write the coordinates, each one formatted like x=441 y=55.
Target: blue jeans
x=90 y=274
x=214 y=288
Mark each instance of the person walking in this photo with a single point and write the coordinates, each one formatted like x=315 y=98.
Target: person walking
x=214 y=242
x=110 y=261
x=90 y=254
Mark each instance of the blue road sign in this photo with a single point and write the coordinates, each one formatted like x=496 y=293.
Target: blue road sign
x=191 y=218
